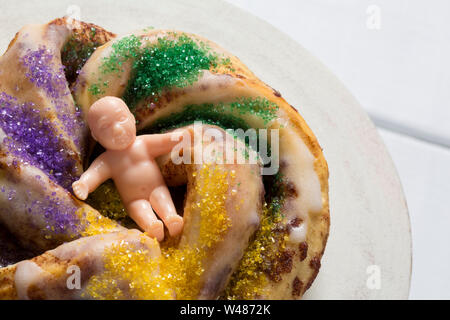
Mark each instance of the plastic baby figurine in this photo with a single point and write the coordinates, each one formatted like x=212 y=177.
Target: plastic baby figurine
x=130 y=162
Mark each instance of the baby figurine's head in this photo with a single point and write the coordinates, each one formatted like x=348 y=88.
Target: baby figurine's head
x=111 y=123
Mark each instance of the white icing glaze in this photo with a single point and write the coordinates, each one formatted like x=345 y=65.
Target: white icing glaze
x=299 y=163
x=210 y=88
x=27 y=273
x=93 y=246
x=298 y=234
x=2 y=134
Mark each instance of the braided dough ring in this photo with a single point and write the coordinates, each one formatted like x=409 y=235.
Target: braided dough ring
x=265 y=247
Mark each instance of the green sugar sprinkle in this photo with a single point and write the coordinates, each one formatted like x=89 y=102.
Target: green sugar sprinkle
x=122 y=50
x=167 y=64
x=95 y=89
x=217 y=114
x=126 y=48
x=224 y=62
x=93 y=32
x=75 y=53
x=260 y=107
x=206 y=113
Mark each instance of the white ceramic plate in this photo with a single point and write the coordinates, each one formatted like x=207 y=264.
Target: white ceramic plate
x=370 y=230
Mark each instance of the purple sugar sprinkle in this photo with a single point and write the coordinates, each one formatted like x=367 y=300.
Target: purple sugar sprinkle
x=11 y=195
x=46 y=74
x=30 y=138
x=41 y=74
x=60 y=216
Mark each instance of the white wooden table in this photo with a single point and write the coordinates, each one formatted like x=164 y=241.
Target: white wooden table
x=393 y=57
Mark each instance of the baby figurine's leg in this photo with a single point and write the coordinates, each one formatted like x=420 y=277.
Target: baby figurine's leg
x=141 y=212
x=161 y=201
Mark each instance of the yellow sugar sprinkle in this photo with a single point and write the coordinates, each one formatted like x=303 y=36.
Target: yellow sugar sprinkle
x=211 y=187
x=93 y=223
x=177 y=272
x=136 y=267
x=250 y=281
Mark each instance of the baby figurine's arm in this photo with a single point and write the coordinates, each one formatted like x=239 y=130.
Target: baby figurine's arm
x=97 y=173
x=163 y=143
